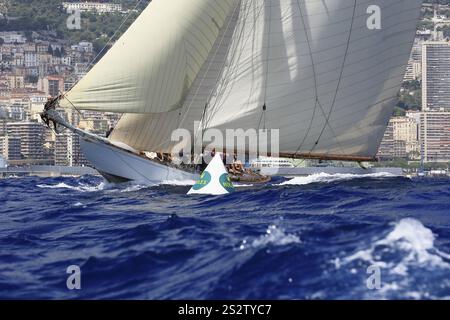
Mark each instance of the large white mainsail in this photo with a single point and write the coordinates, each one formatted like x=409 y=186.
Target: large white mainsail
x=327 y=80
x=311 y=68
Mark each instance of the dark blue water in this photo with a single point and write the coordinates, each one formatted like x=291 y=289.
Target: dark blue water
x=314 y=238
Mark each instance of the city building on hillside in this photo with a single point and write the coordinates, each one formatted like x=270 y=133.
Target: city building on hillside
x=98 y=7
x=413 y=70
x=3 y=163
x=16 y=82
x=435 y=76
x=3 y=130
x=31 y=136
x=416 y=52
x=51 y=85
x=407 y=130
x=435 y=135
x=31 y=59
x=16 y=112
x=390 y=148
x=83 y=46
x=415 y=116
x=10 y=147
x=68 y=151
x=81 y=70
x=98 y=126
x=425 y=35
x=400 y=140
x=12 y=37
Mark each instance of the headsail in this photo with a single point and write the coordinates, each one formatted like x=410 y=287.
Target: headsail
x=311 y=68
x=152 y=66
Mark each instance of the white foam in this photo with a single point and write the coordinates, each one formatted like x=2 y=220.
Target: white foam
x=274 y=236
x=326 y=178
x=178 y=182
x=236 y=185
x=411 y=238
x=412 y=245
x=80 y=188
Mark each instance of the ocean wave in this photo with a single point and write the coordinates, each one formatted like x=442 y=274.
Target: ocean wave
x=274 y=236
x=412 y=240
x=180 y=183
x=241 y=185
x=128 y=188
x=80 y=188
x=289 y=235
x=402 y=255
x=326 y=178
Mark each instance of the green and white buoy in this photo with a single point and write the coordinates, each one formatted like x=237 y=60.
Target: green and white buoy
x=214 y=180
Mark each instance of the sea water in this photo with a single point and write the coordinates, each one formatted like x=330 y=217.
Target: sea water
x=317 y=237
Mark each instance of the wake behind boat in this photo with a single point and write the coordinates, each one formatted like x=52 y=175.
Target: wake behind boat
x=321 y=77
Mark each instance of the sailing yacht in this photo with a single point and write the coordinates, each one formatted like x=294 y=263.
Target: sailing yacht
x=325 y=73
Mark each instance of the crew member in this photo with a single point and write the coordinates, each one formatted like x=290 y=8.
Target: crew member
x=50 y=105
x=237 y=167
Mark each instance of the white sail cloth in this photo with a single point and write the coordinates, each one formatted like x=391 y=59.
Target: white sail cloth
x=152 y=66
x=328 y=82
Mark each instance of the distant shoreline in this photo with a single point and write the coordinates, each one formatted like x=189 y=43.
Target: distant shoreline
x=47 y=171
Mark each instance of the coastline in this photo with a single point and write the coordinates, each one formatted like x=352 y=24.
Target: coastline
x=46 y=171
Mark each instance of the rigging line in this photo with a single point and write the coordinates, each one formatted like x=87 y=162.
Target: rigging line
x=268 y=52
x=340 y=78
x=74 y=107
x=235 y=18
x=266 y=78
x=183 y=118
x=317 y=101
x=208 y=68
x=315 y=79
x=115 y=33
x=109 y=40
x=253 y=33
x=209 y=65
x=221 y=93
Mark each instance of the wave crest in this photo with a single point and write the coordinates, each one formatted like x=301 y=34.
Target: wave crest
x=81 y=187
x=274 y=236
x=412 y=241
x=326 y=178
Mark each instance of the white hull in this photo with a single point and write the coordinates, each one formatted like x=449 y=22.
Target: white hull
x=118 y=165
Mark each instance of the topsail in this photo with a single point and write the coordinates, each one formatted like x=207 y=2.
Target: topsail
x=317 y=70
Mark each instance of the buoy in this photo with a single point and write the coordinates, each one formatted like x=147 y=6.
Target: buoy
x=214 y=180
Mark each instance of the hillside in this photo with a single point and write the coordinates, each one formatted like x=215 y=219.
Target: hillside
x=34 y=15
